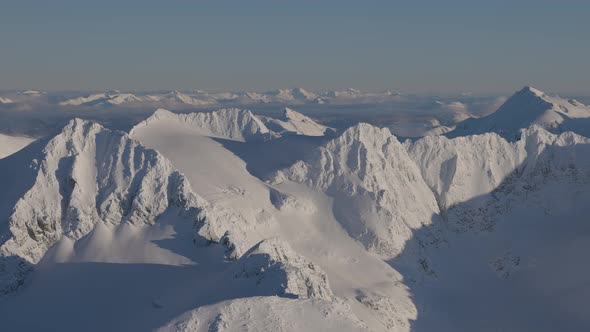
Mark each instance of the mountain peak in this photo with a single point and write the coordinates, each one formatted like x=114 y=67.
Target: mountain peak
x=77 y=125
x=229 y=123
x=531 y=90
x=363 y=131
x=291 y=114
x=529 y=106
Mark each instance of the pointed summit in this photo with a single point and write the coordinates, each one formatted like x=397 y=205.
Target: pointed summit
x=529 y=106
x=531 y=90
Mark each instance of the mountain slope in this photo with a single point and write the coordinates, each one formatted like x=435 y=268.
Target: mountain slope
x=177 y=98
x=87 y=175
x=102 y=207
x=166 y=228
x=528 y=107
x=294 y=95
x=234 y=124
x=515 y=238
x=268 y=314
x=462 y=168
x=12 y=144
x=300 y=217
x=379 y=193
x=294 y=123
x=103 y=99
x=85 y=100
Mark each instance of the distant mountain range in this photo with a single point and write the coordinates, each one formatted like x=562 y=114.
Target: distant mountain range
x=199 y=98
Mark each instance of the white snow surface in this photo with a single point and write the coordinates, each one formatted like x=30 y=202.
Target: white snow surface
x=167 y=228
x=267 y=314
x=528 y=107
x=174 y=97
x=295 y=123
x=264 y=213
x=11 y=144
x=86 y=175
x=234 y=124
x=379 y=191
x=103 y=99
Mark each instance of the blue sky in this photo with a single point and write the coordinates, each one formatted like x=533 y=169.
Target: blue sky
x=413 y=46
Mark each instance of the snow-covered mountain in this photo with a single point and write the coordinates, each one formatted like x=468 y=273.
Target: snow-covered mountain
x=380 y=196
x=103 y=99
x=90 y=195
x=85 y=100
x=462 y=168
x=4 y=100
x=295 y=123
x=475 y=184
x=451 y=112
x=241 y=125
x=282 y=96
x=176 y=98
x=33 y=93
x=167 y=227
x=84 y=176
x=232 y=124
x=354 y=96
x=198 y=98
x=292 y=95
x=528 y=107
x=170 y=99
x=123 y=98
x=513 y=213
x=302 y=219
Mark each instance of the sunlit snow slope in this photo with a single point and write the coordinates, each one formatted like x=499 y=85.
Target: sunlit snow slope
x=11 y=144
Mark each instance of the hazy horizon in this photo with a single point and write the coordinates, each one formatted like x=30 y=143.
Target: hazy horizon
x=424 y=48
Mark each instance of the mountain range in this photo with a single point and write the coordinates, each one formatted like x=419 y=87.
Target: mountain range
x=230 y=221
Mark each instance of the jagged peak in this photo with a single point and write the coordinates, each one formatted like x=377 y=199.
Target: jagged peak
x=365 y=131
x=81 y=126
x=536 y=135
